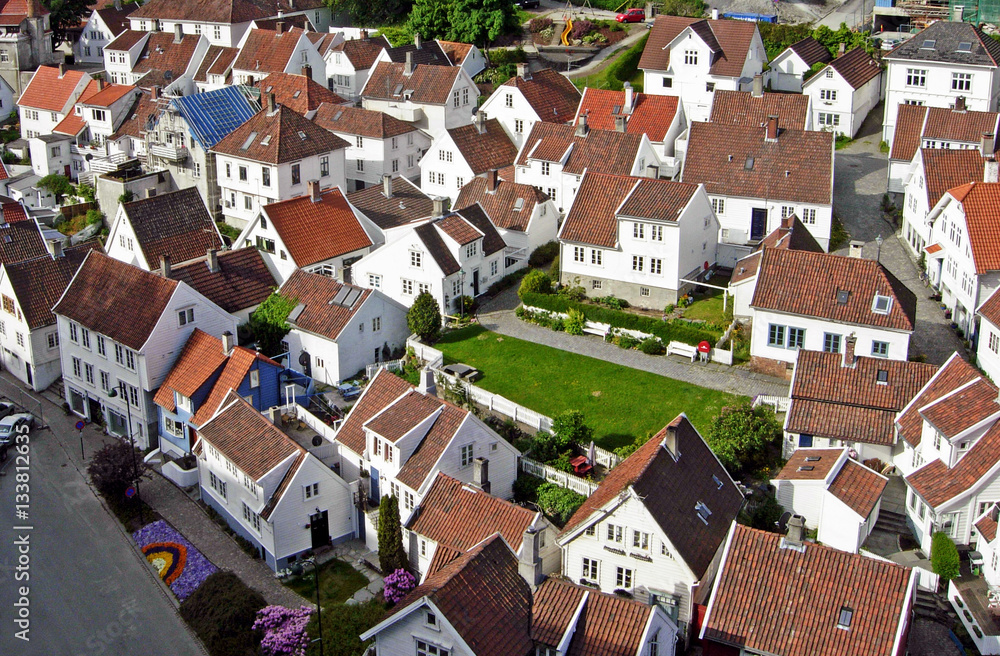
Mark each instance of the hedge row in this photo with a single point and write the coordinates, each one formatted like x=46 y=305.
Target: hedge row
x=679 y=331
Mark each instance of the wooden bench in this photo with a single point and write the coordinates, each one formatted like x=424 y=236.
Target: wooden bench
x=593 y=331
x=685 y=350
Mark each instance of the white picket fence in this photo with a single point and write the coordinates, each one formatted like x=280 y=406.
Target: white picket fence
x=433 y=357
x=560 y=478
x=391 y=365
x=506 y=407
x=779 y=403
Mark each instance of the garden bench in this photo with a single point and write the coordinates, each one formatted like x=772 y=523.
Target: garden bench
x=593 y=331
x=685 y=350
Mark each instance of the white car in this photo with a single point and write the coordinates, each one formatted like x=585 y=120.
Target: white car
x=10 y=424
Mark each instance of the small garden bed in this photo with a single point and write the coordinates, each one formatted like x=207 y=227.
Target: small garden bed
x=179 y=564
x=338 y=582
x=546 y=32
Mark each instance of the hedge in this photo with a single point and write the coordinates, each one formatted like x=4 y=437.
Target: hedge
x=668 y=331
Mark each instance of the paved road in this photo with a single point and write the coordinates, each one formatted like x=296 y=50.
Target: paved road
x=90 y=591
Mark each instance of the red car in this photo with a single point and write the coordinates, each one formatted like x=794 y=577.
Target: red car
x=632 y=16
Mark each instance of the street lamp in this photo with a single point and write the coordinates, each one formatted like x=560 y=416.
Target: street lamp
x=878 y=252
x=461 y=296
x=298 y=570
x=120 y=392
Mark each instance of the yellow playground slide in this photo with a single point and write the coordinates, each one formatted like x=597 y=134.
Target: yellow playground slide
x=565 y=33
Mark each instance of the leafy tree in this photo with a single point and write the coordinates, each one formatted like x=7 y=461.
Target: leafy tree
x=569 y=428
x=65 y=14
x=58 y=184
x=269 y=322
x=692 y=8
x=284 y=630
x=944 y=556
x=222 y=611
x=115 y=468
x=535 y=282
x=765 y=516
x=128 y=196
x=390 y=535
x=342 y=624
x=559 y=503
x=88 y=193
x=430 y=18
x=743 y=436
x=481 y=21
x=424 y=317
x=367 y=13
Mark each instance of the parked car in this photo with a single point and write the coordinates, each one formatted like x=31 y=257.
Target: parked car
x=528 y=4
x=9 y=428
x=6 y=408
x=634 y=15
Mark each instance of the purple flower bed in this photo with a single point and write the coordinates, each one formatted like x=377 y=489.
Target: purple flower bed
x=179 y=564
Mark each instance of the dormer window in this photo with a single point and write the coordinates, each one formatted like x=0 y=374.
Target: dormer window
x=845 y=617
x=703 y=512
x=881 y=304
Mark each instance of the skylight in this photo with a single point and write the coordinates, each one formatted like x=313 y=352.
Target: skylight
x=718 y=483
x=703 y=512
x=882 y=376
x=518 y=204
x=296 y=94
x=813 y=458
x=246 y=144
x=265 y=141
x=302 y=135
x=844 y=620
x=337 y=116
x=843 y=296
x=881 y=304
x=268 y=89
x=965 y=46
x=748 y=164
x=807 y=468
x=928 y=44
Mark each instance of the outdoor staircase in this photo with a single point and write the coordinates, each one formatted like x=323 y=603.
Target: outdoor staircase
x=934 y=607
x=892 y=522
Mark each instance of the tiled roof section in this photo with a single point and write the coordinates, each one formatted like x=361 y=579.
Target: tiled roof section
x=963 y=408
x=301 y=21
x=283 y=486
x=108 y=96
x=266 y=51
x=458 y=229
x=427 y=85
x=482 y=151
x=987 y=525
x=651 y=115
x=315 y=231
x=906 y=136
x=955 y=373
x=407 y=203
x=730 y=41
x=176 y=224
x=72 y=125
x=20 y=237
x=946 y=37
x=456 y=52
x=297 y=92
x=509 y=206
x=278 y=138
x=421 y=463
x=492 y=241
x=743 y=108
x=914 y=124
x=980 y=201
x=214 y=114
x=746 y=267
x=550 y=93
x=857 y=67
x=238 y=365
x=811 y=51
x=946 y=168
x=115 y=299
x=809 y=284
x=39 y=282
x=442 y=556
x=404 y=415
x=116 y=19
x=316 y=293
x=218 y=61
x=843 y=422
x=162 y=55
x=783 y=601
x=555 y=605
x=610 y=626
x=990 y=310
x=241 y=281
x=858 y=487
x=383 y=389
x=358 y=121
x=247 y=438
x=600 y=151
x=429 y=52
x=821 y=461
x=125 y=40
x=738 y=161
x=937 y=484
x=791 y=235
x=437 y=248
x=593 y=220
x=671 y=490
x=494 y=624
x=49 y=92
x=227 y=11
x=363 y=52
x=19 y=8
x=143 y=114
x=460 y=517
x=200 y=359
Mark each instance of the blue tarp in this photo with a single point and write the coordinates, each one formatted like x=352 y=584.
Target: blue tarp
x=214 y=114
x=754 y=18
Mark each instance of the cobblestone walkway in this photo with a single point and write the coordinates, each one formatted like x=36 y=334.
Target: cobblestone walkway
x=355 y=553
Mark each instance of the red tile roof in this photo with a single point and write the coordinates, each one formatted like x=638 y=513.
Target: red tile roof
x=407 y=203
x=297 y=92
x=218 y=61
x=554 y=609
x=116 y=19
x=415 y=471
x=428 y=84
x=650 y=115
x=357 y=121
x=162 y=54
x=363 y=52
x=599 y=151
x=39 y=282
x=241 y=281
x=963 y=408
x=821 y=461
x=107 y=96
x=811 y=51
x=550 y=93
x=176 y=224
x=953 y=374
x=460 y=230
x=937 y=484
x=115 y=299
x=906 y=135
x=227 y=11
x=987 y=524
x=743 y=108
x=857 y=67
x=783 y=601
x=483 y=150
x=980 y=201
x=200 y=359
x=403 y=416
x=990 y=309
x=915 y=124
x=808 y=284
x=277 y=138
x=72 y=125
x=729 y=40
x=946 y=168
x=20 y=236
x=509 y=206
x=49 y=92
x=316 y=293
x=238 y=365
x=858 y=487
x=382 y=391
x=125 y=40
x=315 y=231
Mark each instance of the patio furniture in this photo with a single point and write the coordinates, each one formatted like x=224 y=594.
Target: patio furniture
x=581 y=466
x=348 y=391
x=975 y=562
x=462 y=371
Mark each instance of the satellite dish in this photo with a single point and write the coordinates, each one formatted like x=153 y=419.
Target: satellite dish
x=783 y=522
x=303 y=358
x=317 y=440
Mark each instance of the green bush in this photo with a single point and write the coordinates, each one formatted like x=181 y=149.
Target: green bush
x=570 y=428
x=626 y=341
x=554 y=269
x=652 y=346
x=573 y=293
x=544 y=254
x=575 y=322
x=944 y=557
x=342 y=624
x=506 y=282
x=504 y=56
x=558 y=503
x=526 y=488
x=222 y=612
x=424 y=317
x=676 y=330
x=765 y=516
x=744 y=437
x=535 y=282
x=391 y=555
x=468 y=305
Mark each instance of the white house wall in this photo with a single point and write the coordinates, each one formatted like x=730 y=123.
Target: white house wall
x=815 y=329
x=840 y=527
x=291 y=515
x=736 y=215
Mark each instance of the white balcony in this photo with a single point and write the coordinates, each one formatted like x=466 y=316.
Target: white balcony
x=168 y=152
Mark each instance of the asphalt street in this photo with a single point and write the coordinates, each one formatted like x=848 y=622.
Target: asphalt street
x=89 y=591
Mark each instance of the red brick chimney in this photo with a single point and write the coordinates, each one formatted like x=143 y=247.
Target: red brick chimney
x=313 y=190
x=772 y=128
x=491 y=179
x=849 y=343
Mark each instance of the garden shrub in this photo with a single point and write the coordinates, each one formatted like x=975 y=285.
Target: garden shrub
x=573 y=293
x=390 y=535
x=544 y=254
x=526 y=488
x=502 y=56
x=115 y=468
x=626 y=341
x=558 y=503
x=744 y=437
x=506 y=282
x=554 y=269
x=536 y=25
x=424 y=317
x=765 y=516
x=575 y=322
x=535 y=282
x=581 y=28
x=944 y=557
x=222 y=612
x=505 y=428
x=613 y=302
x=397 y=585
x=558 y=324
x=652 y=346
x=468 y=305
x=570 y=428
x=545 y=447
x=343 y=623
x=269 y=322
x=284 y=630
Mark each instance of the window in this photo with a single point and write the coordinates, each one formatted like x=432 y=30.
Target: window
x=546 y=168
x=796 y=337
x=961 y=81
x=415 y=259
x=623 y=578
x=592 y=529
x=311 y=490
x=73 y=332
x=831 y=343
x=296 y=174
x=459 y=182
x=217 y=32
x=638 y=230
x=430 y=617
x=829 y=120
x=105 y=381
x=133 y=395
x=916 y=77
x=77 y=367
x=508 y=101
x=52 y=340
x=614 y=533
x=668 y=82
x=265 y=244
x=429 y=649
x=184 y=317
x=395 y=166
x=88 y=369
x=359 y=141
x=319 y=362
x=359 y=164
x=719 y=205
x=828 y=94
x=596 y=257
x=775 y=335
x=590 y=569
x=691 y=57
x=518 y=126
x=994 y=342
x=215 y=482
x=637 y=263
x=640 y=540
x=881 y=304
x=407 y=287
x=466 y=455
x=578 y=254
x=471 y=249
x=376 y=324
x=644 y=291
x=243 y=173
x=465 y=96
x=251 y=518
x=656 y=233
x=710 y=87
x=408 y=500
x=655 y=265
x=247 y=202
x=880 y=349
x=809 y=216
x=172 y=427
x=98 y=114
x=409 y=161
x=787 y=211
x=374 y=281
x=455 y=99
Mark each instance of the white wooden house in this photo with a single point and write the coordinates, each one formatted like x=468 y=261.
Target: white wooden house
x=988 y=344
x=458 y=155
x=48 y=98
x=791 y=68
x=844 y=91
x=431 y=97
x=264 y=51
x=101 y=28
x=530 y=97
x=348 y=63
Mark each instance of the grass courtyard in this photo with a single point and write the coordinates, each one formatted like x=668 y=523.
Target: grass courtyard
x=619 y=403
x=338 y=582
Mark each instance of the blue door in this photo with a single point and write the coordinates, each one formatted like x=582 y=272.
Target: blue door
x=373 y=493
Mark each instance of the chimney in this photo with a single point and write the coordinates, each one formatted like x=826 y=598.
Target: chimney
x=841 y=49
x=32 y=11
x=271 y=107
x=154 y=92
x=492 y=178
x=629 y=99
x=213 y=260
x=279 y=27
x=960 y=104
x=956 y=13
x=227 y=343
x=529 y=564
x=652 y=171
x=408 y=66
x=786 y=223
x=307 y=71
x=100 y=84
x=581 y=126
x=670 y=441
x=364 y=35
x=165 y=265
x=991 y=170
x=796 y=531
x=55 y=248
x=481 y=121
x=772 y=128
x=758 y=86
x=427 y=386
x=387 y=186
x=417 y=41
x=619 y=124
x=849 y=343
x=715 y=14
x=313 y=186
x=178 y=33
x=987 y=144
x=856 y=248
x=274 y=414
x=118 y=5
x=62 y=70
x=439 y=206
x=524 y=71
x=481 y=474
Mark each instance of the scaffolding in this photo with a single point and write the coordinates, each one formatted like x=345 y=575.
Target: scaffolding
x=976 y=11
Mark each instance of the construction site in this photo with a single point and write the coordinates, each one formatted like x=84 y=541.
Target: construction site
x=910 y=16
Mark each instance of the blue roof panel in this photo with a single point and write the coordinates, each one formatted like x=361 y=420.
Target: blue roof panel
x=214 y=114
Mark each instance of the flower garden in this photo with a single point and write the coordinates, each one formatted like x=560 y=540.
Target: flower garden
x=178 y=562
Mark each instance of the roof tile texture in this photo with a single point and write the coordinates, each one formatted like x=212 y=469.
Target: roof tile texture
x=200 y=359
x=241 y=281
x=285 y=128
x=743 y=108
x=599 y=151
x=980 y=201
x=357 y=121
x=963 y=408
x=729 y=39
x=176 y=224
x=40 y=281
x=297 y=92
x=952 y=375
x=383 y=389
x=482 y=151
x=827 y=459
x=315 y=292
x=501 y=204
x=857 y=67
x=315 y=231
x=429 y=84
x=553 y=97
x=47 y=91
x=403 y=416
x=407 y=203
x=937 y=484
x=650 y=115
x=858 y=487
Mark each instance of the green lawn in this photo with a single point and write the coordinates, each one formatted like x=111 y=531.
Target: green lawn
x=338 y=582
x=619 y=403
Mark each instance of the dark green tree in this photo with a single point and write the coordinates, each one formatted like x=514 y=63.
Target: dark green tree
x=480 y=22
x=424 y=317
x=430 y=18
x=365 y=13
x=535 y=282
x=743 y=437
x=944 y=557
x=58 y=184
x=569 y=428
x=342 y=624
x=390 y=536
x=65 y=14
x=269 y=322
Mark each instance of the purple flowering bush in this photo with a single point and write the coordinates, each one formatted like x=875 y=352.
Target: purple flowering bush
x=284 y=630
x=178 y=562
x=397 y=585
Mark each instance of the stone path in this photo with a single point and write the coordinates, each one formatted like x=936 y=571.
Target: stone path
x=355 y=552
